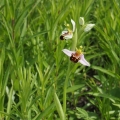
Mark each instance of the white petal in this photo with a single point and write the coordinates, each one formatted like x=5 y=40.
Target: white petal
x=63 y=32
x=89 y=27
x=83 y=61
x=73 y=24
x=68 y=52
x=81 y=21
x=69 y=36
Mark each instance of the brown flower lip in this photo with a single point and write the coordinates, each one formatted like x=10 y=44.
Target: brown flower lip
x=62 y=37
x=75 y=58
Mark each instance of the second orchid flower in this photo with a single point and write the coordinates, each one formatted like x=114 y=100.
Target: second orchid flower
x=68 y=34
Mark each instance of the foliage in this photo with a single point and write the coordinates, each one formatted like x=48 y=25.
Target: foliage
x=37 y=80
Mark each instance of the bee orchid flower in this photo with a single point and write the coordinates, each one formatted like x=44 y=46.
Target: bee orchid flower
x=76 y=56
x=88 y=27
x=68 y=34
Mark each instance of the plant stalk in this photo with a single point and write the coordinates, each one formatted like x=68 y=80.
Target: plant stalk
x=74 y=43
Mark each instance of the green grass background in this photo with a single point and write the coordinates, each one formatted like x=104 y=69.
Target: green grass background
x=38 y=81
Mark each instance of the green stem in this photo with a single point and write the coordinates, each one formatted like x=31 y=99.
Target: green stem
x=65 y=89
x=74 y=43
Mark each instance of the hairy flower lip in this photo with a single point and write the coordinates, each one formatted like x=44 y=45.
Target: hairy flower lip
x=68 y=34
x=75 y=58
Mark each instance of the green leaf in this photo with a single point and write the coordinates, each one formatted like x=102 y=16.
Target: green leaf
x=45 y=113
x=106 y=71
x=59 y=107
x=75 y=87
x=104 y=95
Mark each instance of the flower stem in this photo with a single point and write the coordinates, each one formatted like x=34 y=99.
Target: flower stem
x=74 y=43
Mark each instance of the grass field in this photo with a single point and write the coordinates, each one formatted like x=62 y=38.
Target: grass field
x=59 y=60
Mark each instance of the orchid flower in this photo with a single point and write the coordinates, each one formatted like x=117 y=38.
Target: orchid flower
x=76 y=56
x=88 y=27
x=68 y=34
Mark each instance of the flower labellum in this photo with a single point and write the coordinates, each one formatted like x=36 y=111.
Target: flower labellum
x=68 y=34
x=76 y=56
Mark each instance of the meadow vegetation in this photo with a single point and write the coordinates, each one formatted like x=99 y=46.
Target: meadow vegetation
x=38 y=81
